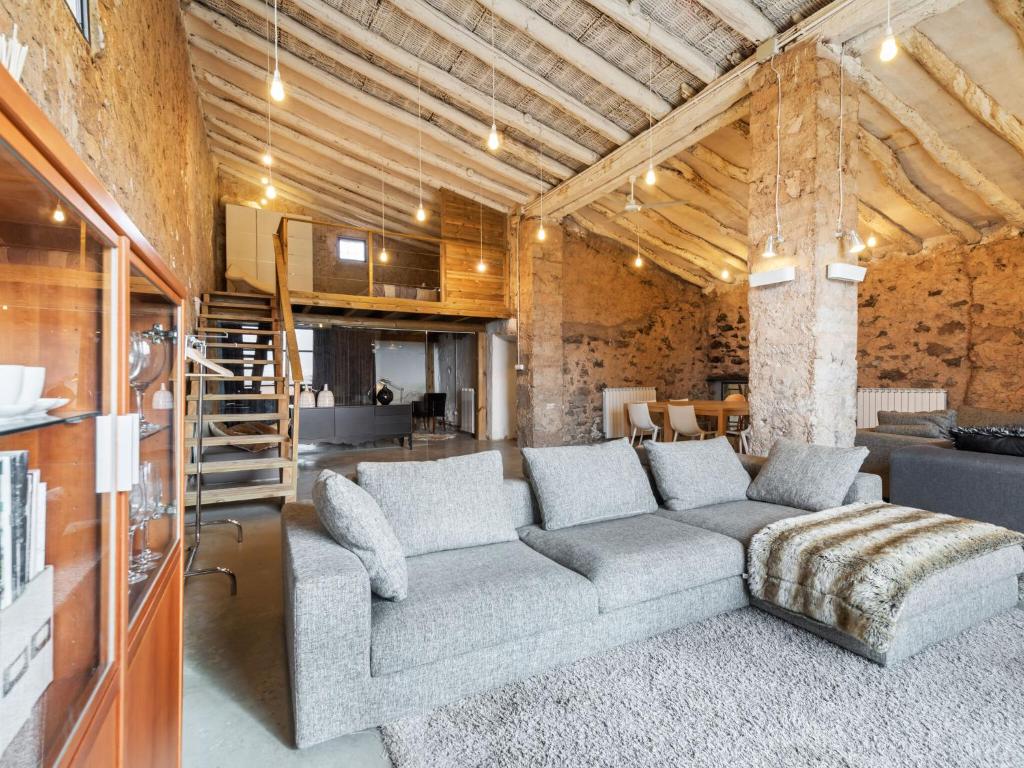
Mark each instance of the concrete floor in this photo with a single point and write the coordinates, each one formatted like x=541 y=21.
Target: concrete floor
x=237 y=699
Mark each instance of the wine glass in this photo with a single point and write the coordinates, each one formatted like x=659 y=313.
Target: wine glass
x=147 y=355
x=154 y=490
x=136 y=502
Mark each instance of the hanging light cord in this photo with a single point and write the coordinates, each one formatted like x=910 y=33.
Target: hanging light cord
x=839 y=163
x=888 y=14
x=493 y=122
x=778 y=150
x=277 y=34
x=419 y=130
x=650 y=95
x=481 y=206
x=270 y=122
x=540 y=170
x=383 y=238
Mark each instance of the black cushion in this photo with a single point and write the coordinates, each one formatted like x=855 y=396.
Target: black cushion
x=1008 y=441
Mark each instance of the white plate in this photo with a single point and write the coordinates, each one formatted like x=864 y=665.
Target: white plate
x=41 y=406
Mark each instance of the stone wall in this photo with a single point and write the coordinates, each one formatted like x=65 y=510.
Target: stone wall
x=127 y=104
x=950 y=317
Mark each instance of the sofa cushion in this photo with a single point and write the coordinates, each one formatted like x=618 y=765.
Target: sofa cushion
x=466 y=599
x=585 y=483
x=640 y=558
x=973 y=416
x=739 y=520
x=1008 y=441
x=356 y=522
x=696 y=473
x=940 y=421
x=444 y=504
x=811 y=477
x=932 y=431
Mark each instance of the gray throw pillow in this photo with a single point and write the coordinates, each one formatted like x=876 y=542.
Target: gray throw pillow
x=811 y=477
x=585 y=483
x=942 y=420
x=697 y=473
x=911 y=430
x=356 y=522
x=445 y=504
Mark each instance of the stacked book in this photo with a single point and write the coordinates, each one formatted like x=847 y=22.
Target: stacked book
x=22 y=525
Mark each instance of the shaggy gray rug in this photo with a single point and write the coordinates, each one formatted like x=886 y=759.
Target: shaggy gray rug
x=743 y=689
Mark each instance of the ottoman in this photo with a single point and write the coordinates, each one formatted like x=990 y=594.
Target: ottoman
x=979 y=583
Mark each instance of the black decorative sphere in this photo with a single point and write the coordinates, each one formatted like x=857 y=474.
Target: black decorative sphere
x=385 y=396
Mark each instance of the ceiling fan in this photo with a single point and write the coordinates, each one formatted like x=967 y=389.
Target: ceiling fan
x=635 y=206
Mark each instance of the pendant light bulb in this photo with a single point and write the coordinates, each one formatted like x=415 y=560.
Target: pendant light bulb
x=889 y=48
x=481 y=266
x=264 y=180
x=384 y=255
x=541 y=234
x=263 y=201
x=650 y=178
x=770 y=245
x=872 y=240
x=493 y=140
x=638 y=261
x=268 y=159
x=270 y=192
x=58 y=214
x=725 y=274
x=854 y=244
x=276 y=86
x=421 y=214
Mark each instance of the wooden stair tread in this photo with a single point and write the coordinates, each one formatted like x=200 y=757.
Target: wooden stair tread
x=241 y=396
x=220 y=418
x=218 y=377
x=224 y=303
x=240 y=317
x=241 y=493
x=238 y=465
x=237 y=440
x=242 y=360
x=242 y=331
x=239 y=294
x=239 y=345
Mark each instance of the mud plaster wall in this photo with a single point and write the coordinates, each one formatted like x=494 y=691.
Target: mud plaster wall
x=624 y=327
x=129 y=107
x=951 y=318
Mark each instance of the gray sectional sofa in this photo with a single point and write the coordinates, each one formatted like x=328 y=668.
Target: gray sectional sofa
x=482 y=616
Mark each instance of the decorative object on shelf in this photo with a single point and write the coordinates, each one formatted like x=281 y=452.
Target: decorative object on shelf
x=385 y=395
x=22 y=525
x=163 y=400
x=13 y=54
x=325 y=399
x=136 y=517
x=147 y=357
x=20 y=390
x=152 y=494
x=306 y=397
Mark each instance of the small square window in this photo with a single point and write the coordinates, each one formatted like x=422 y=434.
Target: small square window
x=80 y=9
x=351 y=249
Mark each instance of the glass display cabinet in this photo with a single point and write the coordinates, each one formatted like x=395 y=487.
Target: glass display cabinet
x=91 y=468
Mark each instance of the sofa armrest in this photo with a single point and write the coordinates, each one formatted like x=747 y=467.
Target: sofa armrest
x=865 y=487
x=327 y=617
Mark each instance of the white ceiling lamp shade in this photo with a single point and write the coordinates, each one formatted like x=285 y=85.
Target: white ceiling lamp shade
x=771 y=247
x=276 y=85
x=887 y=52
x=493 y=137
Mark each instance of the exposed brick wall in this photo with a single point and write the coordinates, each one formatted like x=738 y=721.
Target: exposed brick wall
x=131 y=111
x=951 y=318
x=624 y=327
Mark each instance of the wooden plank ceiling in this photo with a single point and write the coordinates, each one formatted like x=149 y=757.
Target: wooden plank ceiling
x=586 y=93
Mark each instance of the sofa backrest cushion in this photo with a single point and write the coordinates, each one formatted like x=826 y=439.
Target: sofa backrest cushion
x=811 y=477
x=972 y=416
x=444 y=504
x=938 y=422
x=584 y=483
x=522 y=506
x=356 y=522
x=696 y=473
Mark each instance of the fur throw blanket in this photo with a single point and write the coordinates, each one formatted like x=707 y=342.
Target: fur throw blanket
x=851 y=567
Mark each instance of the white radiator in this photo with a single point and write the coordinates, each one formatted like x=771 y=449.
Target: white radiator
x=870 y=401
x=613 y=403
x=467 y=410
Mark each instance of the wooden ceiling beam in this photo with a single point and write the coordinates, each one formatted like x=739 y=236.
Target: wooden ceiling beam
x=1012 y=12
x=588 y=61
x=679 y=172
x=457 y=90
x=905 y=15
x=743 y=16
x=695 y=223
x=958 y=84
x=444 y=26
x=888 y=229
x=946 y=156
x=364 y=112
x=888 y=164
x=600 y=225
x=674 y=48
x=720 y=164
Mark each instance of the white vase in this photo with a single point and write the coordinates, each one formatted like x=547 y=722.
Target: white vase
x=306 y=398
x=325 y=398
x=163 y=400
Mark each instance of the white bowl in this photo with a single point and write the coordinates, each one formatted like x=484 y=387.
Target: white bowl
x=11 y=377
x=32 y=386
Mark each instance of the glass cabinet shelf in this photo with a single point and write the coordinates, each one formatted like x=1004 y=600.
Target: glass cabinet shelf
x=14 y=426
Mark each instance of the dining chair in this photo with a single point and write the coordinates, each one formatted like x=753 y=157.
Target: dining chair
x=734 y=424
x=640 y=420
x=682 y=420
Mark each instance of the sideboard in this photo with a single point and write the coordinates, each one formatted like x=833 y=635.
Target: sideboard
x=353 y=424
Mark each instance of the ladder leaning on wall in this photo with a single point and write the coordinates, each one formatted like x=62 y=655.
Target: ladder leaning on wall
x=250 y=418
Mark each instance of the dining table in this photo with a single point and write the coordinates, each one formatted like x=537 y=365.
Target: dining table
x=720 y=410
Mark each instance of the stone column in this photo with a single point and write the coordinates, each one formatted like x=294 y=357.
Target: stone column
x=803 y=334
x=540 y=392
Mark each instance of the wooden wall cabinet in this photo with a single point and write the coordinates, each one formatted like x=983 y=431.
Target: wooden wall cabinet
x=77 y=280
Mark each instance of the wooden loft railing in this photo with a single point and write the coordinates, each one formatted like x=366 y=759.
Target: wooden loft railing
x=293 y=375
